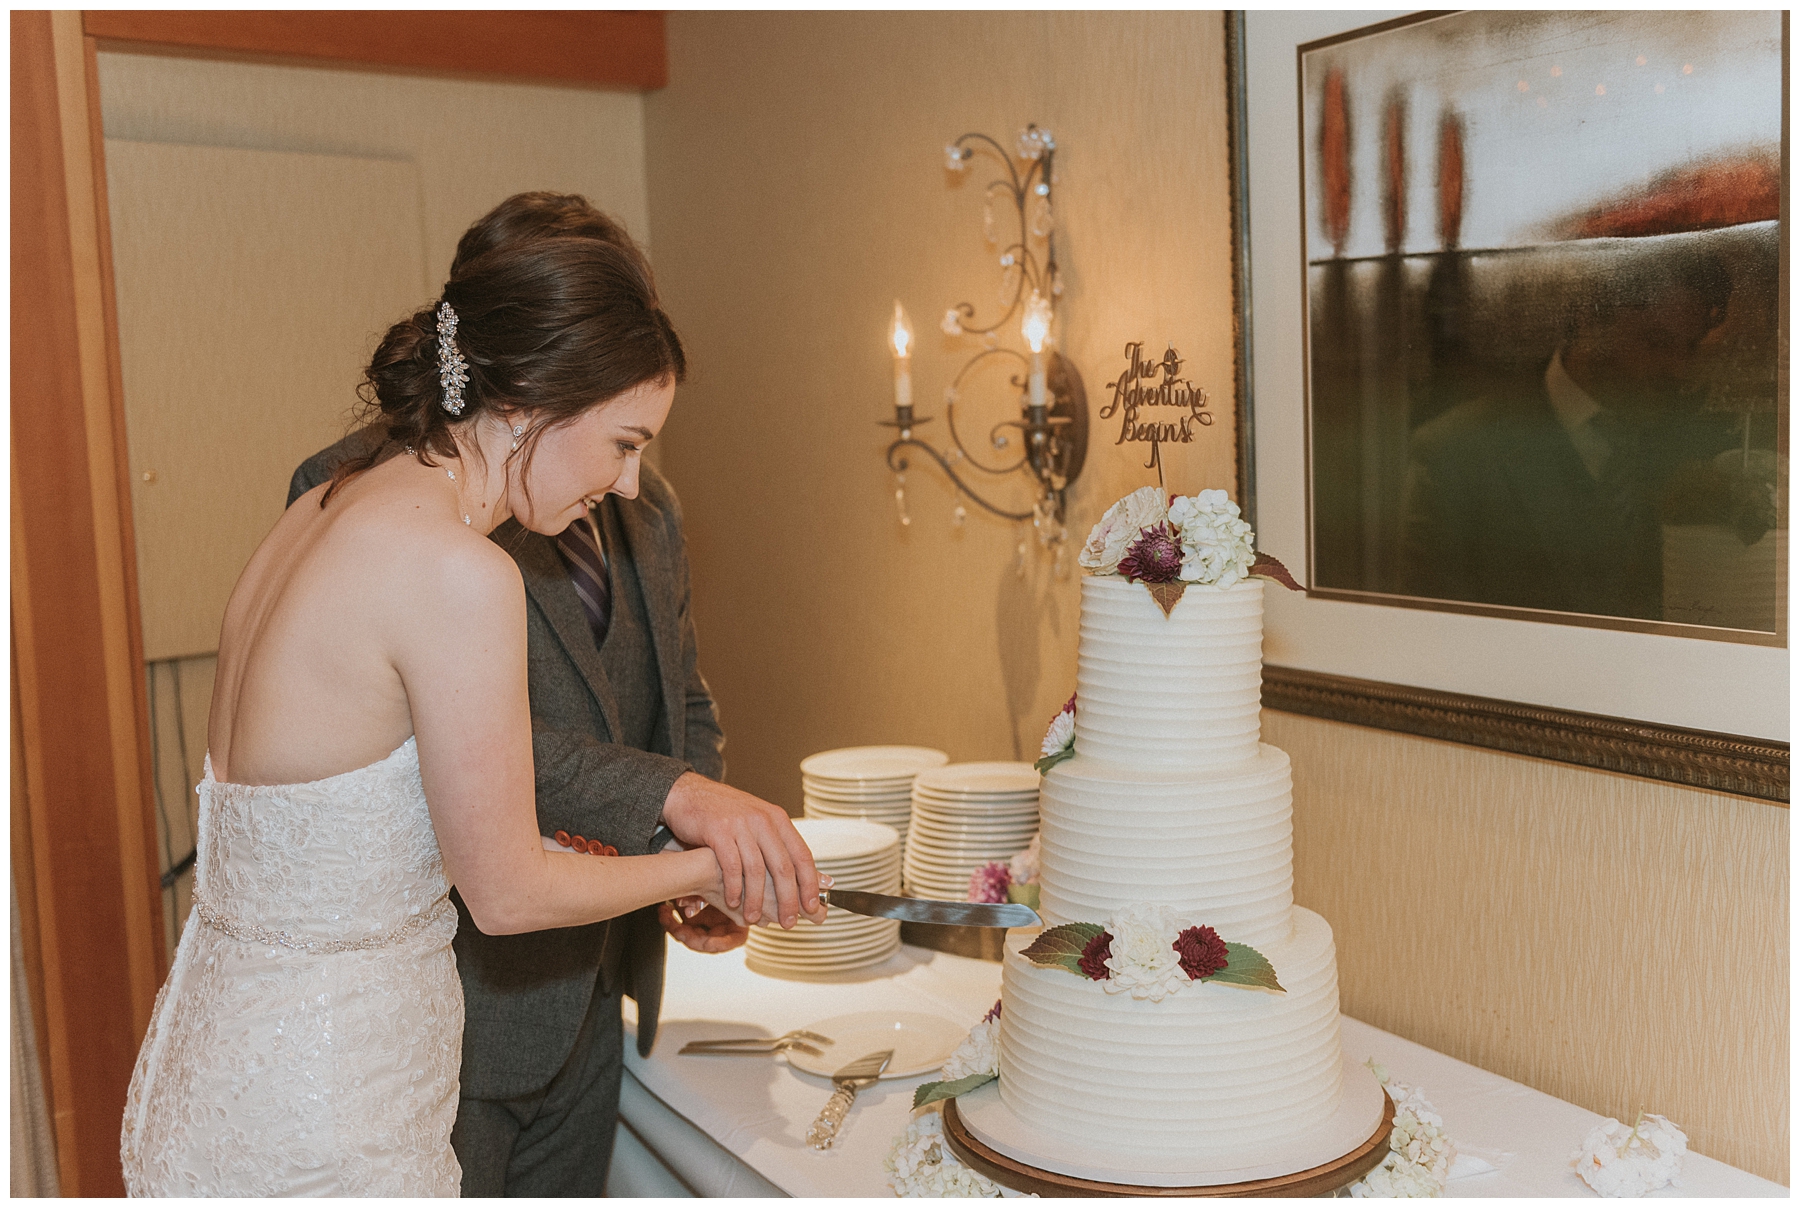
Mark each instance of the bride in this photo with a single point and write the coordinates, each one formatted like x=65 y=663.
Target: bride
x=370 y=746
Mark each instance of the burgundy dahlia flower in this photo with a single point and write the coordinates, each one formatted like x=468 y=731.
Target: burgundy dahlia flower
x=1202 y=952
x=1155 y=557
x=1095 y=955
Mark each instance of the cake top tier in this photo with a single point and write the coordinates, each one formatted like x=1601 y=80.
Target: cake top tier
x=1182 y=690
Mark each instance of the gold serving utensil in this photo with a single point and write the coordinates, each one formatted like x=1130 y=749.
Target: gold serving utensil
x=797 y=1039
x=859 y=1074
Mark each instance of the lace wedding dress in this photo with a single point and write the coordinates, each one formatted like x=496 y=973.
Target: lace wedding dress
x=309 y=1038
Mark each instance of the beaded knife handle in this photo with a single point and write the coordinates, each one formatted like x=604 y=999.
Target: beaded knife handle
x=824 y=1130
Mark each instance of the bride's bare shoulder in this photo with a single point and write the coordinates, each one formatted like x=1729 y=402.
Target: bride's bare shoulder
x=414 y=561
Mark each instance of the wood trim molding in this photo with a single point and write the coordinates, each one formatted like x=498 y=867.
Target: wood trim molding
x=618 y=50
x=1724 y=763
x=81 y=723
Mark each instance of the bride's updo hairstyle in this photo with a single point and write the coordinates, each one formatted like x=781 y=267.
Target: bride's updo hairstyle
x=549 y=325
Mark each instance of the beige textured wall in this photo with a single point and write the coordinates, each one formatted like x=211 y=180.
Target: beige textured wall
x=797 y=182
x=1619 y=943
x=475 y=141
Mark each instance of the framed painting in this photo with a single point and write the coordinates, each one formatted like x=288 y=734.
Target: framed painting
x=1513 y=318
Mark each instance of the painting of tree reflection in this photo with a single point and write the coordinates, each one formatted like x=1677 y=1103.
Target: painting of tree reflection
x=1544 y=266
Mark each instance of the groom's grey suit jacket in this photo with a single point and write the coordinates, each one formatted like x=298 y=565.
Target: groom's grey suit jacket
x=524 y=996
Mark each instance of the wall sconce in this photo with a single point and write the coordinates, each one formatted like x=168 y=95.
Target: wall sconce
x=1052 y=427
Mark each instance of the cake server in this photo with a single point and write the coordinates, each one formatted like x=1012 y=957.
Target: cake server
x=864 y=1071
x=925 y=910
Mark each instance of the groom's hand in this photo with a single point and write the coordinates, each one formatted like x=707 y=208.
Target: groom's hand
x=749 y=837
x=707 y=931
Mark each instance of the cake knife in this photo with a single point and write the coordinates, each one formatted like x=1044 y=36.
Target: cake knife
x=925 y=910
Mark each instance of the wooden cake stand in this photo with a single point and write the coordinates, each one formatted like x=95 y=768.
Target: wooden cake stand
x=1320 y=1180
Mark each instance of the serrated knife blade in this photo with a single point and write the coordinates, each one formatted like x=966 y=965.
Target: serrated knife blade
x=925 y=910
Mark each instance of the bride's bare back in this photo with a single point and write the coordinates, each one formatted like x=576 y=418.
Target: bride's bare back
x=308 y=682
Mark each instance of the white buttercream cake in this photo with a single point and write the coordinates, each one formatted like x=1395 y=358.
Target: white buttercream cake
x=1171 y=799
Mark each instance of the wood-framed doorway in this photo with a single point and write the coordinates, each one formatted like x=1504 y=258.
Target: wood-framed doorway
x=85 y=863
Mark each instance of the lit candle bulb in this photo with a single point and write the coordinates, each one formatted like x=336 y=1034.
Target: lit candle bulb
x=900 y=336
x=1036 y=330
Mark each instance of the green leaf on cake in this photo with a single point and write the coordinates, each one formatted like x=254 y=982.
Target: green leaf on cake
x=931 y=1092
x=1167 y=595
x=1049 y=761
x=1245 y=966
x=1023 y=894
x=1063 y=945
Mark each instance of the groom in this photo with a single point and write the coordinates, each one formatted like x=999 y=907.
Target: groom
x=625 y=739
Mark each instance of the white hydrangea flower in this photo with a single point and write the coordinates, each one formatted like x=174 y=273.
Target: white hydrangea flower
x=920 y=1163
x=1144 y=961
x=979 y=1053
x=1217 y=545
x=1420 y=1153
x=1617 y=1161
x=1120 y=526
x=1060 y=734
x=1024 y=866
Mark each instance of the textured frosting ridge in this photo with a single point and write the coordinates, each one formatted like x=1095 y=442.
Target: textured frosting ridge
x=1181 y=691
x=1214 y=1069
x=1217 y=846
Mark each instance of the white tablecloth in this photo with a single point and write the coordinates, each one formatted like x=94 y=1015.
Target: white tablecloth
x=737 y=1125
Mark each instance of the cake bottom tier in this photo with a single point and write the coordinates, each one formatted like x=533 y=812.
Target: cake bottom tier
x=1216 y=1069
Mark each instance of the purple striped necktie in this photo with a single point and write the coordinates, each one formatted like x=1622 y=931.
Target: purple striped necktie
x=579 y=545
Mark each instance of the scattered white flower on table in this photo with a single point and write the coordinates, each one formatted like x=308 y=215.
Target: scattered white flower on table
x=979 y=1053
x=1024 y=865
x=1217 y=546
x=920 y=1163
x=1120 y=526
x=1618 y=1161
x=1420 y=1153
x=1060 y=734
x=1143 y=960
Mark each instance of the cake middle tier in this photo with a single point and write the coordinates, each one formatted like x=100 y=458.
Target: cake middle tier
x=1216 y=846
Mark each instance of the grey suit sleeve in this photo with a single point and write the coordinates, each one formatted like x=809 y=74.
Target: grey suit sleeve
x=600 y=790
x=704 y=744
x=319 y=467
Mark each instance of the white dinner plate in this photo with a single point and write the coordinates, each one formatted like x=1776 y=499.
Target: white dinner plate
x=987 y=778
x=920 y=1042
x=872 y=763
x=845 y=838
x=792 y=949
x=967 y=849
x=857 y=790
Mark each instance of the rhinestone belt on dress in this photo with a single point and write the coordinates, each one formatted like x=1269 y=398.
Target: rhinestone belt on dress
x=251 y=933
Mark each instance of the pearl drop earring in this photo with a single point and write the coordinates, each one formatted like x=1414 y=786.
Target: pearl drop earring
x=518 y=431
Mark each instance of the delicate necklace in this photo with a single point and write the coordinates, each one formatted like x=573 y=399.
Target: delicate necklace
x=452 y=473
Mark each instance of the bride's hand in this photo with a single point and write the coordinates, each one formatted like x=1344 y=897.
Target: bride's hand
x=770 y=916
x=755 y=843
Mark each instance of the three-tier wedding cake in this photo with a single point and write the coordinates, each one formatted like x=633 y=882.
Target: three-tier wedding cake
x=1177 y=1021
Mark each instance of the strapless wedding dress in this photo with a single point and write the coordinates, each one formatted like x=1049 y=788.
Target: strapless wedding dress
x=309 y=1037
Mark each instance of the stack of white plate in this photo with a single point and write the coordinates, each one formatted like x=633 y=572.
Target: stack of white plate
x=858 y=855
x=963 y=816
x=871 y=783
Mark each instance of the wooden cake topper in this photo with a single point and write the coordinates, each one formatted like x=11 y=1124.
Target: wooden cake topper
x=1138 y=389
